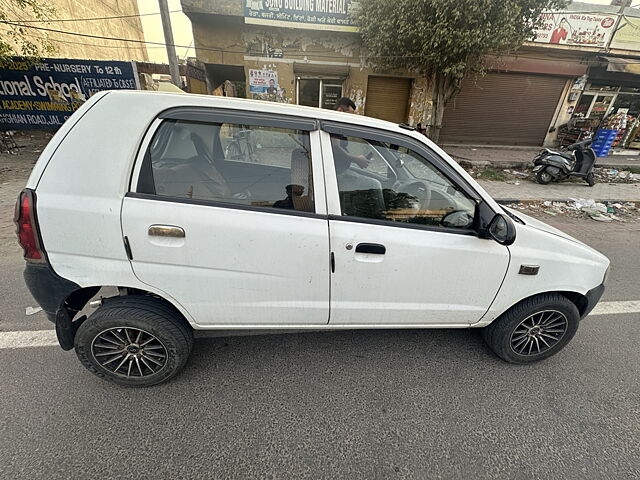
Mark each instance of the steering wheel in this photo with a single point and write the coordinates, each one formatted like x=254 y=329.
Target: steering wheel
x=419 y=190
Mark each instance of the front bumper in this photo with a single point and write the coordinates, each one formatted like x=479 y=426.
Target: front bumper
x=593 y=297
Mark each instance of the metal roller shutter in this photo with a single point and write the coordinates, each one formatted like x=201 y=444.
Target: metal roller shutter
x=502 y=109
x=388 y=98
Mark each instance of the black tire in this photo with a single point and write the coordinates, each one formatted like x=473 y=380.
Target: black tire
x=125 y=316
x=507 y=330
x=591 y=179
x=542 y=177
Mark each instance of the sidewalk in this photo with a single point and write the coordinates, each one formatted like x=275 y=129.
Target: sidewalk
x=505 y=156
x=530 y=191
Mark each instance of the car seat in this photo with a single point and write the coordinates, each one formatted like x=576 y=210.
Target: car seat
x=191 y=177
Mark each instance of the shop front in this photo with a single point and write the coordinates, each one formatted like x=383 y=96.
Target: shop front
x=610 y=101
x=319 y=85
x=515 y=103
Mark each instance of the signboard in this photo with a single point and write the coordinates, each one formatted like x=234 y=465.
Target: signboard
x=263 y=81
x=312 y=14
x=43 y=95
x=628 y=35
x=569 y=28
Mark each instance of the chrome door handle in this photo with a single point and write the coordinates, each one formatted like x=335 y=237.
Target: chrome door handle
x=166 y=231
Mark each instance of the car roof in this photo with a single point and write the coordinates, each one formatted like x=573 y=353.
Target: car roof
x=194 y=100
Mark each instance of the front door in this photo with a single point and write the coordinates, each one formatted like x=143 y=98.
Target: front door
x=402 y=239
x=225 y=220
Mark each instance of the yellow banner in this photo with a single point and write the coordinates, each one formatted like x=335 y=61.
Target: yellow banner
x=628 y=35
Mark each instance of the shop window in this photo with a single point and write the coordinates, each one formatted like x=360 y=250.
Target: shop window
x=630 y=89
x=582 y=108
x=630 y=102
x=602 y=88
x=316 y=92
x=601 y=106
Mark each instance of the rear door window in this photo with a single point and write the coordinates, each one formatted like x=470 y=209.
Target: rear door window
x=249 y=165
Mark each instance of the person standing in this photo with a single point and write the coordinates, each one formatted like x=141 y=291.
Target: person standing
x=340 y=143
x=346 y=105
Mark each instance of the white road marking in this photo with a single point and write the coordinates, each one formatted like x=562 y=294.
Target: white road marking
x=612 y=308
x=36 y=338
x=47 y=338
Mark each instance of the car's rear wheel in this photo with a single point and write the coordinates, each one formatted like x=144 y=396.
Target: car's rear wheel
x=134 y=341
x=534 y=329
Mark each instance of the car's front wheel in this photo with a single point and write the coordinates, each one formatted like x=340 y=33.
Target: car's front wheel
x=134 y=341
x=534 y=329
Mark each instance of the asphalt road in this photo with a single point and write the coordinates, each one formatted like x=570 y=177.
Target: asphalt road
x=363 y=404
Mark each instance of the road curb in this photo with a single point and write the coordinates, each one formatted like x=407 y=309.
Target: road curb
x=530 y=201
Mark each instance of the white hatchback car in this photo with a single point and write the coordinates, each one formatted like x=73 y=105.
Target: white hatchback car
x=220 y=213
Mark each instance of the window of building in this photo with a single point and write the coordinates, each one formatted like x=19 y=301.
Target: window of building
x=315 y=92
x=241 y=164
x=629 y=101
x=386 y=182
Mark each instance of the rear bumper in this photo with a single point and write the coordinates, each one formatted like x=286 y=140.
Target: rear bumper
x=593 y=297
x=53 y=293
x=48 y=288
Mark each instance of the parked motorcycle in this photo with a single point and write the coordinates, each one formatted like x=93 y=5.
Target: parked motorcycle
x=576 y=160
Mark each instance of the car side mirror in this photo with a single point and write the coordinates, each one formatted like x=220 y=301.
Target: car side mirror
x=502 y=229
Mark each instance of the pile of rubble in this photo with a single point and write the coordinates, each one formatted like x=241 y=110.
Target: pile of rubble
x=611 y=175
x=514 y=177
x=583 y=208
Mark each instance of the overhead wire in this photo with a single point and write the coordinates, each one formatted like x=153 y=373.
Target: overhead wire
x=96 y=45
x=53 y=20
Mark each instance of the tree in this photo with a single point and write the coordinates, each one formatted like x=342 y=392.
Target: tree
x=16 y=39
x=445 y=40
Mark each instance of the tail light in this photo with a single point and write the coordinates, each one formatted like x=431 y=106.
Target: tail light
x=27 y=227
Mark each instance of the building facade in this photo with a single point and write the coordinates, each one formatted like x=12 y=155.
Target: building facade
x=582 y=69
x=583 y=64
x=299 y=57
x=85 y=47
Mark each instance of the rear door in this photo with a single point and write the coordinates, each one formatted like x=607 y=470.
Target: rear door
x=224 y=217
x=402 y=235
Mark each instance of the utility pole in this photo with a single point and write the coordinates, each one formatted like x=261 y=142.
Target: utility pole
x=168 y=40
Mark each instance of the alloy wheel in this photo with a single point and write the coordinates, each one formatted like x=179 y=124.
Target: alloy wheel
x=538 y=332
x=129 y=352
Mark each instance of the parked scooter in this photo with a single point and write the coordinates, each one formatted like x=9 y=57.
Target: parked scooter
x=576 y=160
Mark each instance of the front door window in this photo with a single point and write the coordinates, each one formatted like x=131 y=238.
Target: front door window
x=383 y=181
